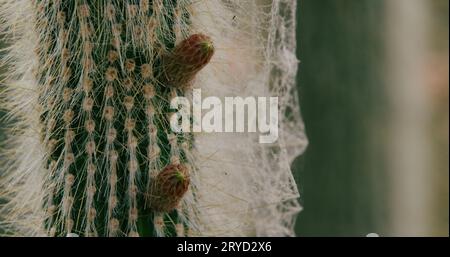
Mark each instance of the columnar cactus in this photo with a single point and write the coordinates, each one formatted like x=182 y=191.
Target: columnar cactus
x=107 y=71
x=89 y=88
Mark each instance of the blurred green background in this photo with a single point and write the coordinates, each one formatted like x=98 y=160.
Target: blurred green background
x=364 y=65
x=341 y=96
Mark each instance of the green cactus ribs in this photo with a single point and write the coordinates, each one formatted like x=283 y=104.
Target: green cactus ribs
x=107 y=71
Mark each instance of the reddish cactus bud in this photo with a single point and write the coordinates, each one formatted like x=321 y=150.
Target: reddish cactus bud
x=187 y=59
x=168 y=187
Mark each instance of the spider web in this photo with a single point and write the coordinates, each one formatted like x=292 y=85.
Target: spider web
x=247 y=188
